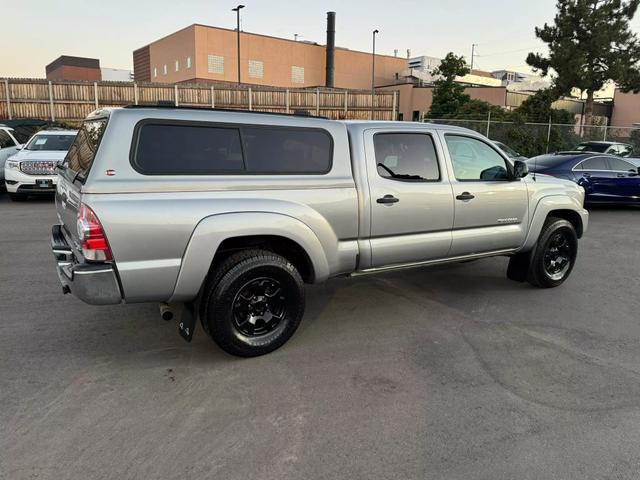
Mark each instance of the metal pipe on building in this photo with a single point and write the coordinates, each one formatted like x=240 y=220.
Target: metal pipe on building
x=331 y=48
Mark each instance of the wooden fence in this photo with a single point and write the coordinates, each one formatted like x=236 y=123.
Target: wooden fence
x=71 y=101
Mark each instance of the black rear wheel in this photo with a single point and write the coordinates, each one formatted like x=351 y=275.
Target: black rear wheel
x=254 y=304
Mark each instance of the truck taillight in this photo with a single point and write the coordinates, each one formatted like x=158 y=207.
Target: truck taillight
x=95 y=247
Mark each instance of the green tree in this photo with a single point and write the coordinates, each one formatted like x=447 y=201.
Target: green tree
x=590 y=43
x=449 y=96
x=538 y=108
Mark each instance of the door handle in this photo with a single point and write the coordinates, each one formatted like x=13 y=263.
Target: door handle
x=465 y=196
x=586 y=175
x=621 y=175
x=388 y=199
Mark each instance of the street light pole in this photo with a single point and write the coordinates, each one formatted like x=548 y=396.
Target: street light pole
x=373 y=71
x=473 y=54
x=237 y=10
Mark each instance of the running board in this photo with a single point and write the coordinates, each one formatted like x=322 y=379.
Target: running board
x=426 y=263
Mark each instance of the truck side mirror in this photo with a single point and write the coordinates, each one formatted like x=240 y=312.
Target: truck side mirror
x=520 y=169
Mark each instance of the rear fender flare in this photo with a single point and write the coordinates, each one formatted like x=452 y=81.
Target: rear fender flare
x=213 y=230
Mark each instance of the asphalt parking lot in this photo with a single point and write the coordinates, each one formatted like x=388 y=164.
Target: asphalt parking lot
x=446 y=373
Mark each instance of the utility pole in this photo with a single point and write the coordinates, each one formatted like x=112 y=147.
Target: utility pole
x=237 y=10
x=473 y=53
x=373 y=71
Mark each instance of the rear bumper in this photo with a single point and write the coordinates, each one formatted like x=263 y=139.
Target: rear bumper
x=96 y=284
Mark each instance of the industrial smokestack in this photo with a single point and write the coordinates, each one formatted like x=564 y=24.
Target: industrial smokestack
x=331 y=47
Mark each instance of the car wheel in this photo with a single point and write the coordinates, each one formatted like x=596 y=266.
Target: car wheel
x=255 y=305
x=554 y=255
x=17 y=197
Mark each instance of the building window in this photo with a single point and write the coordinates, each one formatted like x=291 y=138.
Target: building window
x=177 y=65
x=215 y=64
x=164 y=69
x=256 y=69
x=188 y=62
x=155 y=71
x=297 y=74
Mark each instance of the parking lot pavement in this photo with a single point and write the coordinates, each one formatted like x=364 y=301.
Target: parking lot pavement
x=451 y=372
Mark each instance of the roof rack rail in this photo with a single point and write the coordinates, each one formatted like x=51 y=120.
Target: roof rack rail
x=170 y=106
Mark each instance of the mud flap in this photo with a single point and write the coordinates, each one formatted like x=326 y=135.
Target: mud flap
x=187 y=322
x=519 y=267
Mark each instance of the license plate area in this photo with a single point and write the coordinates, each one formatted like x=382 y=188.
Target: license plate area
x=44 y=183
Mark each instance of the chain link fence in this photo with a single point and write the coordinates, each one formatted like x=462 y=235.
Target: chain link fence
x=534 y=138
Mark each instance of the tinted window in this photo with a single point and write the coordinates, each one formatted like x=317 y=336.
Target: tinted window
x=594 y=163
x=621 y=165
x=50 y=142
x=206 y=150
x=84 y=147
x=592 y=147
x=286 y=150
x=5 y=140
x=475 y=160
x=406 y=156
x=188 y=149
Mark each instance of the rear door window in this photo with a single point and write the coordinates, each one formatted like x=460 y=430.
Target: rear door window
x=406 y=156
x=621 y=165
x=83 y=149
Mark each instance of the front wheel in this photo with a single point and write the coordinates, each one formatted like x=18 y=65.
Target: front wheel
x=554 y=255
x=255 y=303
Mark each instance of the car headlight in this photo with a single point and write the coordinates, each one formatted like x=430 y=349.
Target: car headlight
x=12 y=164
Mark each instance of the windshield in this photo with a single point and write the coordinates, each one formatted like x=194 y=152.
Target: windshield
x=592 y=147
x=50 y=142
x=507 y=149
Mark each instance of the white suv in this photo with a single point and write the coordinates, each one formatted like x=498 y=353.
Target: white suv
x=33 y=169
x=8 y=147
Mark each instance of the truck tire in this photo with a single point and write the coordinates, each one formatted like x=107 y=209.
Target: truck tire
x=554 y=255
x=253 y=303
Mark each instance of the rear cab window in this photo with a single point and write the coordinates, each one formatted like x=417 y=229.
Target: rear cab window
x=186 y=148
x=82 y=151
x=406 y=157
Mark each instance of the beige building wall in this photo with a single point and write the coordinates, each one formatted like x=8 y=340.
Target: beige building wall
x=264 y=60
x=414 y=98
x=176 y=47
x=626 y=109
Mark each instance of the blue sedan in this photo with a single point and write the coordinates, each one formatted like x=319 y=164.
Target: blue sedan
x=606 y=179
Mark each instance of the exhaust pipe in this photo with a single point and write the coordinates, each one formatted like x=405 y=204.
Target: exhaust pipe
x=166 y=312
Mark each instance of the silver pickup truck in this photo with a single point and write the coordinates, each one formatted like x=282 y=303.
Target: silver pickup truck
x=225 y=215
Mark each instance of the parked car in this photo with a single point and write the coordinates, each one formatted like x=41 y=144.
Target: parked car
x=225 y=215
x=32 y=170
x=606 y=178
x=8 y=147
x=511 y=153
x=611 y=148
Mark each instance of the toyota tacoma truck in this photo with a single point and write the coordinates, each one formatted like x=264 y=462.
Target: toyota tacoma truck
x=225 y=215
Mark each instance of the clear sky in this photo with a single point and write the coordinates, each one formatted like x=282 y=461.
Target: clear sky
x=35 y=32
